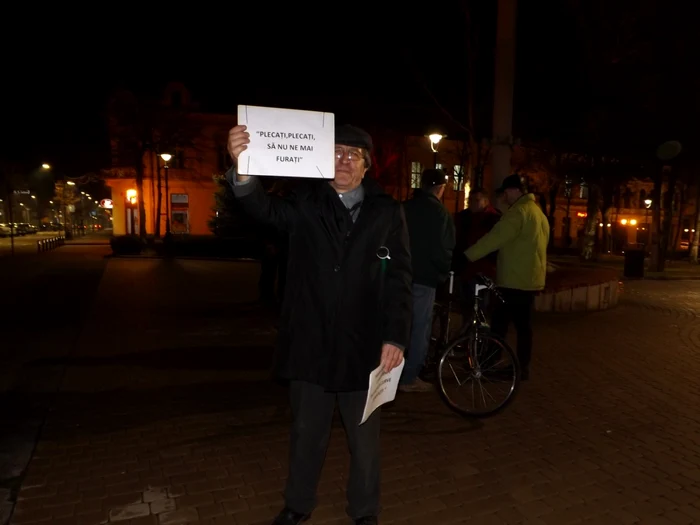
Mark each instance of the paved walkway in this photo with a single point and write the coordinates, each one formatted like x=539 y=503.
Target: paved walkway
x=156 y=423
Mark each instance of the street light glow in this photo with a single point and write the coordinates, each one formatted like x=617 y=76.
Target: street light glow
x=166 y=156
x=46 y=166
x=434 y=139
x=70 y=183
x=33 y=196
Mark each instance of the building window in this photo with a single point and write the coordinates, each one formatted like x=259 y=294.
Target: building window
x=179 y=213
x=458 y=178
x=687 y=232
x=438 y=166
x=467 y=190
x=416 y=170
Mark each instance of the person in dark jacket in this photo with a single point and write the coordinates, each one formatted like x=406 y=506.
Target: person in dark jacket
x=432 y=235
x=471 y=225
x=346 y=310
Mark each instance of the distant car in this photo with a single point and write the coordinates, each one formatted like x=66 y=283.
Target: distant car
x=25 y=228
x=5 y=230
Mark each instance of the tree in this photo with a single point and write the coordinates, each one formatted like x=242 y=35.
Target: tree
x=65 y=195
x=140 y=129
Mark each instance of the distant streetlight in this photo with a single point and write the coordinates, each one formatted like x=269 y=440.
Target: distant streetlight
x=45 y=166
x=647 y=203
x=70 y=183
x=166 y=158
x=33 y=196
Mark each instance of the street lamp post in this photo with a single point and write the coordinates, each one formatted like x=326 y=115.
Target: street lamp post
x=166 y=158
x=568 y=185
x=435 y=138
x=647 y=204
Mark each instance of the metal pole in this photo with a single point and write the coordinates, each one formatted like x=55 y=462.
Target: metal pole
x=12 y=220
x=503 y=91
x=167 y=202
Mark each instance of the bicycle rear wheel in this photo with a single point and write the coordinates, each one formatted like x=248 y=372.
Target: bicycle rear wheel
x=479 y=374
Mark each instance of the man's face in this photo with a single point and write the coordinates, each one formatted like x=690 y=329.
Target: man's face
x=350 y=168
x=511 y=195
x=478 y=201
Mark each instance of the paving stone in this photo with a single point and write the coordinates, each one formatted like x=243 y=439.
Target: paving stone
x=129 y=512
x=605 y=431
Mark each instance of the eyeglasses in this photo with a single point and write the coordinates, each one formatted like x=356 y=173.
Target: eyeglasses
x=352 y=155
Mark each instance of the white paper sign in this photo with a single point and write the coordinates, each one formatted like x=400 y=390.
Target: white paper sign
x=382 y=389
x=288 y=143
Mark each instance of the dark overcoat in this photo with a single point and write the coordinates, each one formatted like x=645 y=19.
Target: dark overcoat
x=342 y=302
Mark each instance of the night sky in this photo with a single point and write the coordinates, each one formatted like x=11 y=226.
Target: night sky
x=413 y=57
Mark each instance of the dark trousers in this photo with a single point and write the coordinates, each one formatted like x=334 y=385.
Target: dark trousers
x=312 y=412
x=269 y=263
x=518 y=307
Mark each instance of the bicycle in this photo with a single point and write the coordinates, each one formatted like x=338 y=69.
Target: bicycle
x=481 y=355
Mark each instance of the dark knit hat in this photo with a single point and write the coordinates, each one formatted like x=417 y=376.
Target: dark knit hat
x=353 y=136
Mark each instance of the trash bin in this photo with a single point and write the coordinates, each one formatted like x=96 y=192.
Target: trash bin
x=634 y=263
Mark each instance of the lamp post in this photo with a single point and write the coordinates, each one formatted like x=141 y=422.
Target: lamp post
x=647 y=204
x=568 y=185
x=435 y=138
x=166 y=158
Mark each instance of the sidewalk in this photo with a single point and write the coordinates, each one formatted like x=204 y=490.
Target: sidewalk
x=165 y=417
x=674 y=270
x=44 y=299
x=99 y=238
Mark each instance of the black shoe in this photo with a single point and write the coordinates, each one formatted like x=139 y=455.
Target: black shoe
x=367 y=520
x=289 y=517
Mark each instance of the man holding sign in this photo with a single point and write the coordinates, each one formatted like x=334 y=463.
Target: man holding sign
x=346 y=310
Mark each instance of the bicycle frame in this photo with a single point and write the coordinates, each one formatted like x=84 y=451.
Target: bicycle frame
x=478 y=319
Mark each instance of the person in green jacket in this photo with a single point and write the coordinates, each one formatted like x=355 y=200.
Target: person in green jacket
x=521 y=238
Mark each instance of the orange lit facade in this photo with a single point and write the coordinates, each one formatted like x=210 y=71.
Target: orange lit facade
x=399 y=161
x=189 y=201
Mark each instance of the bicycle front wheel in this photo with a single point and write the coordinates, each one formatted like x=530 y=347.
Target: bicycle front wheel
x=479 y=374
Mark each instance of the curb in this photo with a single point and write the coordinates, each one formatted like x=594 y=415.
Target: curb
x=186 y=257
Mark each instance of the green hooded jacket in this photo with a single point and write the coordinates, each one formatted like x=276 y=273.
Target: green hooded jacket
x=521 y=238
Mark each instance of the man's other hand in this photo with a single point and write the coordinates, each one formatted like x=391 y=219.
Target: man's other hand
x=238 y=138
x=391 y=357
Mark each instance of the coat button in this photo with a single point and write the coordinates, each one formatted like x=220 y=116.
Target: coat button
x=336 y=268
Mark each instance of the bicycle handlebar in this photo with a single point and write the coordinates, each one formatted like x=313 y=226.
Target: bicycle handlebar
x=491 y=286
